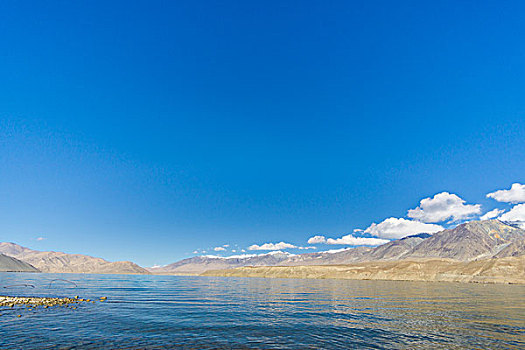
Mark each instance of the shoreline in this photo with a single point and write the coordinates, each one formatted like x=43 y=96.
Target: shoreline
x=509 y=270
x=491 y=271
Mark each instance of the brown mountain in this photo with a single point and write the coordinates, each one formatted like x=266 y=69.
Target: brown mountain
x=470 y=241
x=68 y=263
x=10 y=264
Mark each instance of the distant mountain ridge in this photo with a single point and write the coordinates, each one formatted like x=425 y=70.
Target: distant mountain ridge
x=466 y=242
x=198 y=264
x=58 y=262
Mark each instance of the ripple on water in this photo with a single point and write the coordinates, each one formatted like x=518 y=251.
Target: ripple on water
x=166 y=312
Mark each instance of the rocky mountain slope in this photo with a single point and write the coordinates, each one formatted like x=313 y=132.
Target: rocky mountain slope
x=10 y=264
x=68 y=263
x=397 y=249
x=470 y=241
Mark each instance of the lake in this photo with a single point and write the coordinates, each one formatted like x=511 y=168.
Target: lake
x=175 y=312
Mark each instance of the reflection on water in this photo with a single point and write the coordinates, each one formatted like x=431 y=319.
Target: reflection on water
x=164 y=312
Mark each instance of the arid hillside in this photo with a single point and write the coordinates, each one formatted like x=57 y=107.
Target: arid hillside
x=502 y=270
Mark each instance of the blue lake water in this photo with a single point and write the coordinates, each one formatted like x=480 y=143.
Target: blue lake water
x=174 y=312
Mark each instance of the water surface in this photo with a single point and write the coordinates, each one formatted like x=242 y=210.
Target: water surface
x=173 y=312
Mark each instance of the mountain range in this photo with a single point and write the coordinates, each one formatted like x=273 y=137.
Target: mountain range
x=467 y=242
x=471 y=241
x=478 y=251
x=58 y=262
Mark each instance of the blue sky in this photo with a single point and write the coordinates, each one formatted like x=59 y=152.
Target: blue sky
x=147 y=130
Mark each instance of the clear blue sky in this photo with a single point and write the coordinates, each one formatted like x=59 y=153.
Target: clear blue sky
x=144 y=130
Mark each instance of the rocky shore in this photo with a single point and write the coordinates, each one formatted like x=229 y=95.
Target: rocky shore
x=9 y=301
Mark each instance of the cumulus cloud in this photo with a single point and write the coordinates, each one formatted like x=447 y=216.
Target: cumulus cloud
x=271 y=246
x=352 y=240
x=492 y=214
x=306 y=248
x=219 y=249
x=517 y=213
x=516 y=194
x=394 y=228
x=40 y=238
x=443 y=206
x=317 y=240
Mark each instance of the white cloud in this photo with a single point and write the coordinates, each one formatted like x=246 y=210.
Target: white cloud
x=219 y=249
x=394 y=228
x=40 y=238
x=443 y=206
x=516 y=194
x=517 y=213
x=492 y=214
x=195 y=252
x=303 y=248
x=352 y=240
x=226 y=245
x=317 y=240
x=271 y=246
